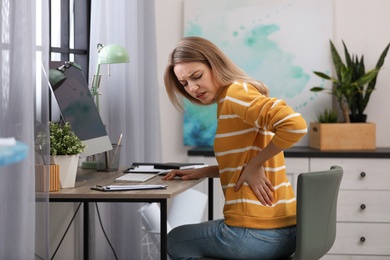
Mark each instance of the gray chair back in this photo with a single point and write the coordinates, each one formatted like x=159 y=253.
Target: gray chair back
x=317 y=194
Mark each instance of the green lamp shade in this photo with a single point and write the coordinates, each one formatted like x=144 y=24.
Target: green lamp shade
x=113 y=53
x=56 y=78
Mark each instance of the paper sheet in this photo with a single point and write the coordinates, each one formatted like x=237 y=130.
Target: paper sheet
x=128 y=187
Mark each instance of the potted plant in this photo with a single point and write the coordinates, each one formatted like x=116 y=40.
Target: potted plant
x=65 y=148
x=328 y=116
x=328 y=134
x=353 y=85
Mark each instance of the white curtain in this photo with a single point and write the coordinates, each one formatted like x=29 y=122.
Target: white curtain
x=129 y=99
x=129 y=106
x=23 y=212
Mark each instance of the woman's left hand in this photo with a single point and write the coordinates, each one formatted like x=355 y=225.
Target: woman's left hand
x=258 y=182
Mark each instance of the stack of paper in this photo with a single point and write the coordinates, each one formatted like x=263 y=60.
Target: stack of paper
x=160 y=168
x=128 y=187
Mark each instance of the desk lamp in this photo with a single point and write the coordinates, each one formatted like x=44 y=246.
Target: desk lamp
x=109 y=54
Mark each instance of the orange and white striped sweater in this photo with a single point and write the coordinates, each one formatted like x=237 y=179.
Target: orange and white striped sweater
x=247 y=122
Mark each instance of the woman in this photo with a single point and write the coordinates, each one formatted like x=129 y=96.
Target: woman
x=253 y=130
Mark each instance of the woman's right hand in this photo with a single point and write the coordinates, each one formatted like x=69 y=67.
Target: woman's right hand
x=188 y=174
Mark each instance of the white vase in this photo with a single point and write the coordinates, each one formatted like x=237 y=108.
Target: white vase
x=68 y=169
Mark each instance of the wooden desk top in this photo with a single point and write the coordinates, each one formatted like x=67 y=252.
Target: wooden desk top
x=88 y=178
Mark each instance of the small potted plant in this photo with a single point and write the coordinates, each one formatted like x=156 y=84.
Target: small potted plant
x=63 y=141
x=328 y=116
x=65 y=149
x=353 y=85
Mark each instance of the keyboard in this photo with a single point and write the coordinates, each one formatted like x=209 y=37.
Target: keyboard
x=135 y=177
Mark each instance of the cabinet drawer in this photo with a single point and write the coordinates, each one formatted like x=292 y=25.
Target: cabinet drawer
x=363 y=206
x=358 y=173
x=296 y=165
x=362 y=239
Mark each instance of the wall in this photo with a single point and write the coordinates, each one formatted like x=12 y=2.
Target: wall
x=169 y=27
x=362 y=24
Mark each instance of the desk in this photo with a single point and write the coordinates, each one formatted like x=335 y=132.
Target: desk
x=82 y=193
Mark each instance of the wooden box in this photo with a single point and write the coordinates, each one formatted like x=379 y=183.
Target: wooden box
x=43 y=182
x=342 y=136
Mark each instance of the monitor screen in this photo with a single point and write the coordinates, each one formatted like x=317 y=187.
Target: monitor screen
x=78 y=108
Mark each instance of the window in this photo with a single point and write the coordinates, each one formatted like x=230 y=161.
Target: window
x=69 y=31
x=69 y=37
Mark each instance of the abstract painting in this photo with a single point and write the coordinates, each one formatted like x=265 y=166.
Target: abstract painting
x=280 y=42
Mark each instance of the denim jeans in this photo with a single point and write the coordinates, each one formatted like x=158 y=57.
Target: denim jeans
x=216 y=239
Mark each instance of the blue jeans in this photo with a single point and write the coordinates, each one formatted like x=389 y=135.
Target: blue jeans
x=216 y=239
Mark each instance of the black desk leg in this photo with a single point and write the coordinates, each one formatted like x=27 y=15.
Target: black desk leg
x=86 y=231
x=211 y=198
x=164 y=231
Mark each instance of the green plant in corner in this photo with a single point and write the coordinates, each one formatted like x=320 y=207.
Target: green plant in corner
x=353 y=85
x=63 y=141
x=327 y=116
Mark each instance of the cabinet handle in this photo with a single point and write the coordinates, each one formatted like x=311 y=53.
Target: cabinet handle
x=362 y=239
x=363 y=206
x=363 y=174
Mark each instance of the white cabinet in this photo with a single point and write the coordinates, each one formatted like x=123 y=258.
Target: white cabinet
x=295 y=166
x=363 y=212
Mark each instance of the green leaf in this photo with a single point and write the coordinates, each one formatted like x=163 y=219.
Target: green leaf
x=370 y=75
x=382 y=57
x=347 y=56
x=346 y=75
x=322 y=75
x=371 y=85
x=317 y=89
x=337 y=62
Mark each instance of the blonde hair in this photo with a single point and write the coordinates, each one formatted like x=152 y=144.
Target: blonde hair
x=197 y=49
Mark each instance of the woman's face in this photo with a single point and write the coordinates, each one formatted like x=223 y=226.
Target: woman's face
x=198 y=80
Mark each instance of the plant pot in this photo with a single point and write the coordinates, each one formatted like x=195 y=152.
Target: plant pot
x=358 y=118
x=342 y=136
x=68 y=169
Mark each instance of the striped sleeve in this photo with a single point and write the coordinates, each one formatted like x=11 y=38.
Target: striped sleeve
x=270 y=114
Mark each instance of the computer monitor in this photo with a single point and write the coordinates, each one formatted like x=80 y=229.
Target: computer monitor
x=78 y=108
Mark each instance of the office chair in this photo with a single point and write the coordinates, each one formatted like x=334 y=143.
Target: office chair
x=151 y=226
x=317 y=194
x=186 y=208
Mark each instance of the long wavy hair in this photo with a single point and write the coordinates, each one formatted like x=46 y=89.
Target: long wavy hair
x=197 y=49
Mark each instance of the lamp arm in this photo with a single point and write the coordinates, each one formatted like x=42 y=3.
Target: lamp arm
x=95 y=86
